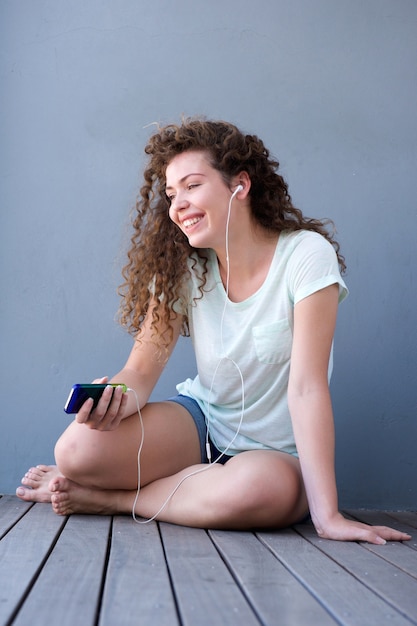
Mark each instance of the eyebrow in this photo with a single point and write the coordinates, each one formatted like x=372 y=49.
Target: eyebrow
x=185 y=178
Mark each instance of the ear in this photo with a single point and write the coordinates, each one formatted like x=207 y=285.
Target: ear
x=244 y=180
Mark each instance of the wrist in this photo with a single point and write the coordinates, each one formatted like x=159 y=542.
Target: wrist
x=323 y=521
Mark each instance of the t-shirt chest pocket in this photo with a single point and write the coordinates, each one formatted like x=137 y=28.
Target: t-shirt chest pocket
x=273 y=342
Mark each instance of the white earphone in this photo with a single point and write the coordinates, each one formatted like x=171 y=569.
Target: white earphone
x=222 y=358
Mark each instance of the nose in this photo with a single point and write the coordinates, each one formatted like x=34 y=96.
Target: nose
x=178 y=202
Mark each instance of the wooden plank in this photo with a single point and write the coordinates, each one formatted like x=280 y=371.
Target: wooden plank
x=53 y=573
x=274 y=593
x=384 y=518
x=408 y=521
x=387 y=581
x=137 y=588
x=68 y=589
x=397 y=553
x=11 y=510
x=22 y=553
x=405 y=517
x=205 y=591
x=344 y=597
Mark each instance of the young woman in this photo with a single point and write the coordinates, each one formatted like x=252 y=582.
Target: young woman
x=219 y=252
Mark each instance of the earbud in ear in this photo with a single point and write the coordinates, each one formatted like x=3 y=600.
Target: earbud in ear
x=238 y=188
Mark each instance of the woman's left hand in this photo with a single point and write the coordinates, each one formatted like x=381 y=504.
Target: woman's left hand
x=342 y=529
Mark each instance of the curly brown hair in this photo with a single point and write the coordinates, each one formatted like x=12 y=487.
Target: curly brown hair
x=159 y=251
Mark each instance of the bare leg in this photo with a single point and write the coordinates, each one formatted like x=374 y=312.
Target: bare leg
x=254 y=489
x=98 y=474
x=108 y=460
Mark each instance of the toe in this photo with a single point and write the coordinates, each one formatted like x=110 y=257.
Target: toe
x=60 y=504
x=33 y=471
x=58 y=483
x=23 y=494
x=30 y=481
x=54 y=485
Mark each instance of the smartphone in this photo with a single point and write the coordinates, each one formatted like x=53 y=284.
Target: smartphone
x=80 y=393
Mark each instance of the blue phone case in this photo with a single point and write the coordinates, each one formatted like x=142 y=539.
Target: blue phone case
x=81 y=392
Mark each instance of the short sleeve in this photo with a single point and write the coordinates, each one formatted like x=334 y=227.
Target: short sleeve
x=313 y=265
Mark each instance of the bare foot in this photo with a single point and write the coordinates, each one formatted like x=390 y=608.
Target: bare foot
x=36 y=483
x=68 y=497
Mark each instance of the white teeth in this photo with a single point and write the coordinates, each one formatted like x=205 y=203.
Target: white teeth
x=191 y=222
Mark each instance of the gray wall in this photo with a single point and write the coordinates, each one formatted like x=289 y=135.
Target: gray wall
x=331 y=87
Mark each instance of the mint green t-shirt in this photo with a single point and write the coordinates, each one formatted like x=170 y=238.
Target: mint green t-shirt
x=243 y=349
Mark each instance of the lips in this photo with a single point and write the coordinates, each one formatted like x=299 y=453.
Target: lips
x=189 y=222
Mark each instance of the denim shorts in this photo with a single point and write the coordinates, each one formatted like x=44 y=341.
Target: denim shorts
x=200 y=421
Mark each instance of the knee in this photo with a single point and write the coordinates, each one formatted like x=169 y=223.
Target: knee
x=239 y=498
x=257 y=497
x=71 y=457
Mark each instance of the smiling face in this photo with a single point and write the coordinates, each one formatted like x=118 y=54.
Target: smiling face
x=199 y=199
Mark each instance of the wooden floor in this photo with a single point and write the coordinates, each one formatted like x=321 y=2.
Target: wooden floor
x=109 y=571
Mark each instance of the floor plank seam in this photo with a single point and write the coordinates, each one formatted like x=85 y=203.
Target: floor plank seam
x=362 y=580
x=9 y=528
x=316 y=596
x=340 y=583
x=104 y=573
x=386 y=559
x=38 y=571
x=299 y=578
x=171 y=581
x=235 y=578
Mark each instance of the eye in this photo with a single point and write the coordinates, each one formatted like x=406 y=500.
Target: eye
x=192 y=185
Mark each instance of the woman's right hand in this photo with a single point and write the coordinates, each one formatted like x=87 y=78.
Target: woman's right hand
x=109 y=411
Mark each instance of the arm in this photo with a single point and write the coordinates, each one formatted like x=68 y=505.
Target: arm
x=312 y=418
x=140 y=373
